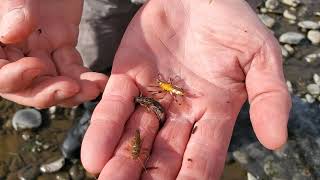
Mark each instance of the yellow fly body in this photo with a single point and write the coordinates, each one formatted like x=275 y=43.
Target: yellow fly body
x=169 y=87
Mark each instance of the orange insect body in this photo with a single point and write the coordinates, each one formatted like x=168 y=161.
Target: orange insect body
x=169 y=87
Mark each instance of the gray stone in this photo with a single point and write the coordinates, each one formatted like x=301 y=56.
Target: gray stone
x=293 y=3
x=284 y=52
x=266 y=20
x=309 y=25
x=316 y=79
x=53 y=166
x=138 y=1
x=291 y=37
x=26 y=119
x=314 y=36
x=271 y=4
x=251 y=177
x=289 y=15
x=76 y=172
x=313 y=89
x=62 y=176
x=312 y=57
x=289 y=48
x=310 y=99
x=289 y=85
x=298 y=159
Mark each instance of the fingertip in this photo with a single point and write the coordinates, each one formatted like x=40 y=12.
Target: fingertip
x=269 y=118
x=98 y=78
x=18 y=23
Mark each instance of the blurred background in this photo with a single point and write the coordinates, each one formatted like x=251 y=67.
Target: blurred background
x=45 y=144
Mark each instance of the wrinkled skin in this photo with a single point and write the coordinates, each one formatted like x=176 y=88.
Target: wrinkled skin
x=221 y=51
x=224 y=55
x=39 y=65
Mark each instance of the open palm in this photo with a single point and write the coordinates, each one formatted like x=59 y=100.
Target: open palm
x=39 y=65
x=223 y=55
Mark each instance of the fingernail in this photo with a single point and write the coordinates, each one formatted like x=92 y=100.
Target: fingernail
x=9 y=20
x=64 y=94
x=30 y=74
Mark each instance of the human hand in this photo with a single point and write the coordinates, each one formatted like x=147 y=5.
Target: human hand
x=39 y=65
x=224 y=55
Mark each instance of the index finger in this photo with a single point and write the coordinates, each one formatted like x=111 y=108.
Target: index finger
x=107 y=122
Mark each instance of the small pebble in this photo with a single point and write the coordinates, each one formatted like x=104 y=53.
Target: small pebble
x=316 y=79
x=241 y=157
x=267 y=20
x=293 y=3
x=309 y=25
x=291 y=37
x=26 y=136
x=290 y=88
x=289 y=48
x=52 y=111
x=76 y=172
x=251 y=177
x=284 y=52
x=313 y=89
x=62 y=176
x=26 y=119
x=289 y=15
x=311 y=57
x=263 y=10
x=138 y=1
x=309 y=98
x=314 y=36
x=53 y=166
x=271 y=4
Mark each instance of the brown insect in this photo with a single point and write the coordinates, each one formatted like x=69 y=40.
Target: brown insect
x=152 y=105
x=136 y=148
x=136 y=145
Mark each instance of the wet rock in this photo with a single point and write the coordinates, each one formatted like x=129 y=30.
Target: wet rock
x=30 y=172
x=312 y=57
x=251 y=177
x=271 y=4
x=26 y=135
x=263 y=10
x=76 y=172
x=298 y=159
x=316 y=79
x=293 y=3
x=62 y=176
x=52 y=112
x=289 y=15
x=267 y=20
x=313 y=89
x=284 y=52
x=290 y=88
x=309 y=25
x=314 y=36
x=289 y=48
x=310 y=99
x=52 y=166
x=291 y=37
x=138 y=1
x=3 y=170
x=26 y=119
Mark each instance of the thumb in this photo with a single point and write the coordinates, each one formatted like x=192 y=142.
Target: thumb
x=17 y=19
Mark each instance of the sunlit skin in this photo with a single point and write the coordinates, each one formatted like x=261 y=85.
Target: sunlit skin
x=221 y=49
x=39 y=64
